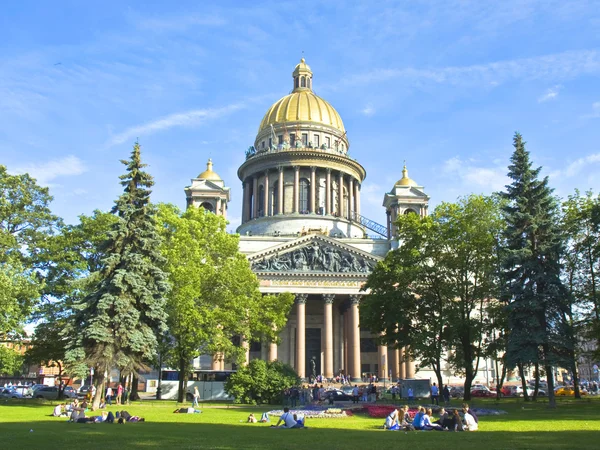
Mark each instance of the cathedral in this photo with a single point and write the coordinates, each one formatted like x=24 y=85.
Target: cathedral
x=303 y=232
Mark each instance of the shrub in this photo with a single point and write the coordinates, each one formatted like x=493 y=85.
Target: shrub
x=261 y=382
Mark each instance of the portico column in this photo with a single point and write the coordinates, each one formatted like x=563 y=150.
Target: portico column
x=266 y=194
x=246 y=202
x=328 y=193
x=382 y=355
x=401 y=364
x=254 y=197
x=313 y=196
x=389 y=224
x=409 y=364
x=393 y=364
x=296 y=188
x=341 y=195
x=300 y=335
x=357 y=196
x=350 y=211
x=328 y=334
x=355 y=338
x=280 y=192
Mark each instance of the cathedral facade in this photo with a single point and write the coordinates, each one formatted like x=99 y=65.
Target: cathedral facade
x=303 y=232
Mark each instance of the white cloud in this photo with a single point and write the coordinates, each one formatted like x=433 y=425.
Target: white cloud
x=368 y=110
x=547 y=67
x=46 y=172
x=187 y=118
x=180 y=23
x=550 y=94
x=595 y=112
x=576 y=166
x=468 y=173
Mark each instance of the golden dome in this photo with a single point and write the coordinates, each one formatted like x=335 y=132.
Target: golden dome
x=405 y=180
x=303 y=105
x=208 y=174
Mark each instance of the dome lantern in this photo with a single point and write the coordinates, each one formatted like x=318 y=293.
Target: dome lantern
x=405 y=180
x=302 y=76
x=208 y=174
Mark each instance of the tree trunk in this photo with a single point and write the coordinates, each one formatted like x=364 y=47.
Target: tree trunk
x=523 y=383
x=536 y=387
x=499 y=378
x=468 y=383
x=550 y=378
x=182 y=380
x=61 y=387
x=99 y=384
x=134 y=395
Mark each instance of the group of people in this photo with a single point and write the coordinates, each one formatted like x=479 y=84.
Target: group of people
x=289 y=420
x=75 y=411
x=121 y=395
x=400 y=419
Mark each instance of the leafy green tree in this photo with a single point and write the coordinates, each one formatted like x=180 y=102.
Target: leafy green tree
x=117 y=323
x=11 y=361
x=538 y=332
x=214 y=297
x=470 y=229
x=26 y=222
x=581 y=226
x=408 y=300
x=432 y=293
x=261 y=382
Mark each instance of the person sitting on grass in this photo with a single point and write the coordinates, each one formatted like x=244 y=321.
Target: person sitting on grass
x=78 y=413
x=407 y=417
x=59 y=411
x=391 y=421
x=264 y=418
x=251 y=418
x=418 y=419
x=403 y=422
x=126 y=417
x=426 y=422
x=287 y=420
x=470 y=411
x=457 y=421
x=470 y=423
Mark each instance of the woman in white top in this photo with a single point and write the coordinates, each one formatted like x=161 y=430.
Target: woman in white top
x=470 y=424
x=391 y=420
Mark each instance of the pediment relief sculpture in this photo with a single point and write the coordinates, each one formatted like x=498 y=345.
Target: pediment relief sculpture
x=315 y=257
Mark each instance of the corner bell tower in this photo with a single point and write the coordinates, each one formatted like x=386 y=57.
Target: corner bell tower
x=208 y=190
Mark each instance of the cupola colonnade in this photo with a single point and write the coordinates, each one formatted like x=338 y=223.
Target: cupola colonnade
x=300 y=189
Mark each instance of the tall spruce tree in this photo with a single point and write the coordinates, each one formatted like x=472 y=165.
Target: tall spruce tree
x=117 y=323
x=535 y=295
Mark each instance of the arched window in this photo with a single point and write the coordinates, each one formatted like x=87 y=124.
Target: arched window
x=303 y=82
x=304 y=201
x=297 y=80
x=208 y=206
x=308 y=82
x=261 y=201
x=276 y=198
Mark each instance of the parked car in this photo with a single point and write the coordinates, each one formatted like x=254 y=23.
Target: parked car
x=457 y=391
x=508 y=391
x=530 y=391
x=83 y=390
x=10 y=393
x=347 y=389
x=33 y=388
x=482 y=393
x=568 y=391
x=51 y=393
x=338 y=396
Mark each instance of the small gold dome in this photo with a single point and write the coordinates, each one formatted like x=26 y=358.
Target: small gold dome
x=405 y=180
x=208 y=174
x=302 y=105
x=302 y=67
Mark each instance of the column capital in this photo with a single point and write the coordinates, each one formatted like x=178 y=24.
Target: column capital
x=301 y=299
x=280 y=168
x=313 y=168
x=328 y=169
x=266 y=171
x=328 y=298
x=355 y=299
x=296 y=168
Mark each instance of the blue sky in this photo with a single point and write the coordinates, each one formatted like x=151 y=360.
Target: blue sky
x=441 y=84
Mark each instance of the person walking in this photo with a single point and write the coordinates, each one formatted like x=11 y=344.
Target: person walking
x=446 y=394
x=410 y=394
x=355 y=394
x=435 y=394
x=109 y=394
x=119 y=393
x=196 y=397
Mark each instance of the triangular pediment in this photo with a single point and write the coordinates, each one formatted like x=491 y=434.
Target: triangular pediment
x=313 y=254
x=199 y=185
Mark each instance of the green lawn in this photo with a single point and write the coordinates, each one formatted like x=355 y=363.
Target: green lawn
x=573 y=425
